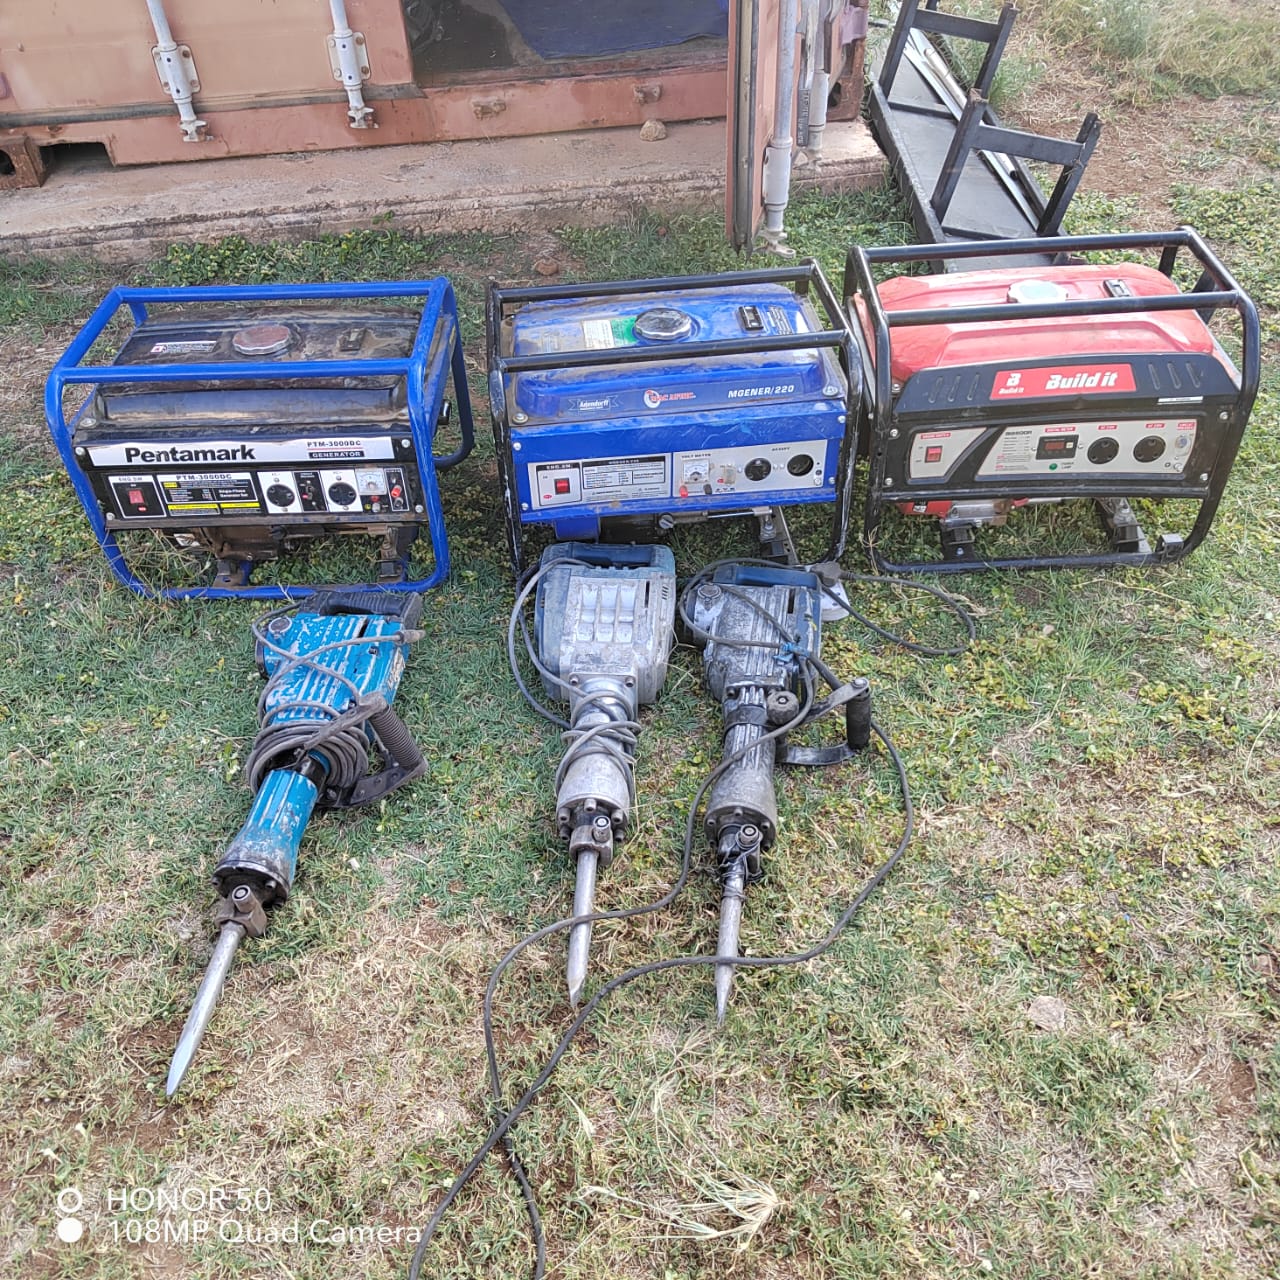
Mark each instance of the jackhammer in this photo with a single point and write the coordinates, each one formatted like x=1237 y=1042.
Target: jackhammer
x=333 y=666
x=605 y=620
x=761 y=629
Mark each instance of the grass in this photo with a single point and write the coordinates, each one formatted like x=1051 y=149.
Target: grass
x=1097 y=782
x=1147 y=50
x=1229 y=48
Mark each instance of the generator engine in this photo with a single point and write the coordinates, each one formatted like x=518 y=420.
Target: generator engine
x=622 y=405
x=250 y=421
x=997 y=389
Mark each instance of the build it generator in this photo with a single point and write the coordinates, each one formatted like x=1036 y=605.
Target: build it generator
x=246 y=422
x=989 y=391
x=622 y=405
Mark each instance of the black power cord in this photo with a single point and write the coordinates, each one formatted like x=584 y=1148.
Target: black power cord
x=284 y=738
x=501 y=1131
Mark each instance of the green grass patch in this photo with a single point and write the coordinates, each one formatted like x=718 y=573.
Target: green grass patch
x=1097 y=781
x=1148 y=51
x=1152 y=49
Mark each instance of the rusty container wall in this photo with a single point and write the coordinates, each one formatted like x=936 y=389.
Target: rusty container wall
x=95 y=55
x=77 y=71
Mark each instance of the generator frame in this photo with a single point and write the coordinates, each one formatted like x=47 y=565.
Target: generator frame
x=425 y=392
x=1215 y=288
x=803 y=276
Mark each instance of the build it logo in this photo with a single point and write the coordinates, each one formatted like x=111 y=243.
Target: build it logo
x=1063 y=380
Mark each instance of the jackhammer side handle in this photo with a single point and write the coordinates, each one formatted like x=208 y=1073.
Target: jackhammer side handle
x=856 y=699
x=405 y=761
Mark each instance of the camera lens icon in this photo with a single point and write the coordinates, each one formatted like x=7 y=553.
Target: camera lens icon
x=69 y=1201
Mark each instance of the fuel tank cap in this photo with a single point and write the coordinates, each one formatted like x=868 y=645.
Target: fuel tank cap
x=262 y=340
x=1028 y=291
x=664 y=324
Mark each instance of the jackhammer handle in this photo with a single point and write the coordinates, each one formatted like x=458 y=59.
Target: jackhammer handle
x=408 y=609
x=405 y=760
x=397 y=741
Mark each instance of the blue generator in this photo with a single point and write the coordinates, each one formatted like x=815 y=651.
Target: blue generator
x=246 y=422
x=621 y=405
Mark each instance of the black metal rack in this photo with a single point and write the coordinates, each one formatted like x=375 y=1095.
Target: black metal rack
x=962 y=171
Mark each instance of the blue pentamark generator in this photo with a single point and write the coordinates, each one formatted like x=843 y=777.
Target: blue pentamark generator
x=246 y=422
x=674 y=399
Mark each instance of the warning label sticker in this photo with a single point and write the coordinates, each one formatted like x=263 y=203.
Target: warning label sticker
x=603 y=335
x=209 y=491
x=189 y=348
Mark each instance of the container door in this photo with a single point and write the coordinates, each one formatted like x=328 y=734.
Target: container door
x=752 y=103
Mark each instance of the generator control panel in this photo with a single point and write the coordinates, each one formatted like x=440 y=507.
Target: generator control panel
x=226 y=480
x=688 y=475
x=1123 y=448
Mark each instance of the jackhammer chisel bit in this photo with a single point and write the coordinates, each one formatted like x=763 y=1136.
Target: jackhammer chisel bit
x=605 y=625
x=333 y=666
x=761 y=629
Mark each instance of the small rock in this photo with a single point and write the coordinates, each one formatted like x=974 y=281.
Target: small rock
x=1048 y=1013
x=653 y=131
x=547 y=267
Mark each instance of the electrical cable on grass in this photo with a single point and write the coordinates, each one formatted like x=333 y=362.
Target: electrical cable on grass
x=501 y=1131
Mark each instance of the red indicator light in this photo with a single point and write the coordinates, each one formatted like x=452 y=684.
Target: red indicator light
x=933 y=453
x=562 y=486
x=684 y=491
x=396 y=491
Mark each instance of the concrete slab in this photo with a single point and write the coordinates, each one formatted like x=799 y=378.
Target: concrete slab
x=501 y=185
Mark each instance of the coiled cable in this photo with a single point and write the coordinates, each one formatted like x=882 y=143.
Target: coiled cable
x=291 y=729
x=807 y=712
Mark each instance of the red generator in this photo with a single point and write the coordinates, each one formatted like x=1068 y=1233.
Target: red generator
x=990 y=390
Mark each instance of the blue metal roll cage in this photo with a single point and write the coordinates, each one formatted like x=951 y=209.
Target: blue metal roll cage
x=425 y=388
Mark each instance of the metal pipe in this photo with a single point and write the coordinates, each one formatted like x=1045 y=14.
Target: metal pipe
x=818 y=96
x=811 y=115
x=777 y=156
x=174 y=65
x=347 y=47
